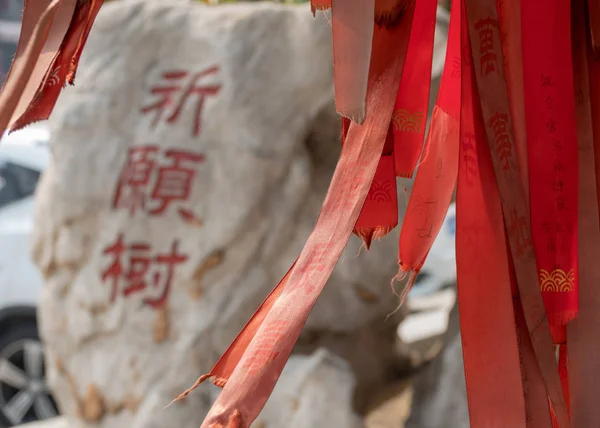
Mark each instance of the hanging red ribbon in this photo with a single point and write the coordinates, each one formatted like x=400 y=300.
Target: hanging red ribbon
x=379 y=214
x=492 y=371
x=583 y=340
x=482 y=21
x=63 y=67
x=253 y=363
x=412 y=103
x=436 y=177
x=594 y=25
x=552 y=156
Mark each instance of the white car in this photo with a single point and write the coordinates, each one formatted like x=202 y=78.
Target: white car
x=24 y=396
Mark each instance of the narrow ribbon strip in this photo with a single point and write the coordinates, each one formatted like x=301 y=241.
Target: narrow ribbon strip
x=63 y=67
x=594 y=25
x=482 y=17
x=352 y=27
x=509 y=15
x=552 y=156
x=412 y=103
x=255 y=369
x=537 y=406
x=594 y=87
x=436 y=177
x=582 y=334
x=56 y=35
x=93 y=8
x=379 y=214
x=24 y=64
x=487 y=322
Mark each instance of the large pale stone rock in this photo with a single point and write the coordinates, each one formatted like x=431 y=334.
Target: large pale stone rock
x=269 y=139
x=262 y=153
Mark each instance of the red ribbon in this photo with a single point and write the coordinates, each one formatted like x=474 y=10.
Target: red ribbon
x=552 y=156
x=412 y=103
x=436 y=177
x=64 y=65
x=491 y=361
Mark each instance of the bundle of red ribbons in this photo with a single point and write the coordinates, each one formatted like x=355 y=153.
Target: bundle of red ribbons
x=516 y=129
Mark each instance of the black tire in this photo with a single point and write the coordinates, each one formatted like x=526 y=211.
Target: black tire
x=15 y=341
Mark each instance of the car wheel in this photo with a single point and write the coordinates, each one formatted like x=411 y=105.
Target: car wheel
x=24 y=393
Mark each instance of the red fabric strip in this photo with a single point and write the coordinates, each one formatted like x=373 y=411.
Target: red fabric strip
x=594 y=24
x=32 y=12
x=564 y=379
x=92 y=11
x=563 y=371
x=379 y=214
x=412 y=103
x=436 y=177
x=254 y=375
x=63 y=66
x=352 y=26
x=319 y=5
x=509 y=14
x=482 y=17
x=24 y=64
x=582 y=334
x=594 y=83
x=56 y=35
x=537 y=413
x=487 y=323
x=552 y=155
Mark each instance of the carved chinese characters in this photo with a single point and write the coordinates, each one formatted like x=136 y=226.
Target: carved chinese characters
x=177 y=89
x=156 y=181
x=558 y=233
x=151 y=181
x=137 y=269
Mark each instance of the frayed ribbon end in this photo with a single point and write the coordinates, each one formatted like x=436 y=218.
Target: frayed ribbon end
x=402 y=274
x=368 y=234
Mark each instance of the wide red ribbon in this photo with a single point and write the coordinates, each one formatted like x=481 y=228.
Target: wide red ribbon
x=34 y=37
x=594 y=24
x=582 y=335
x=412 y=103
x=379 y=214
x=63 y=67
x=509 y=15
x=436 y=176
x=253 y=363
x=552 y=155
x=491 y=360
x=488 y=59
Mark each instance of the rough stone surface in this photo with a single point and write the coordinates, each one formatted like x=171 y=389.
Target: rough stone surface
x=269 y=138
x=439 y=390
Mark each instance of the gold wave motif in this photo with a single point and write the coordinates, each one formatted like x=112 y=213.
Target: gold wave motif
x=380 y=192
x=558 y=280
x=405 y=121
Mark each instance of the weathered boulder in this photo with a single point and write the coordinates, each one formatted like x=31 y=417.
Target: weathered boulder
x=188 y=166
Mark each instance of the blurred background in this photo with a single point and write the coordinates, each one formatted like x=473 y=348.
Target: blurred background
x=403 y=372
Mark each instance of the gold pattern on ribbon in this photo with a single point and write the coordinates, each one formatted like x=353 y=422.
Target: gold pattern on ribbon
x=405 y=121
x=558 y=280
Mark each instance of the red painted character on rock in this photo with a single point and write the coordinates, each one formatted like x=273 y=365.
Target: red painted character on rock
x=135 y=270
x=139 y=190
x=174 y=95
